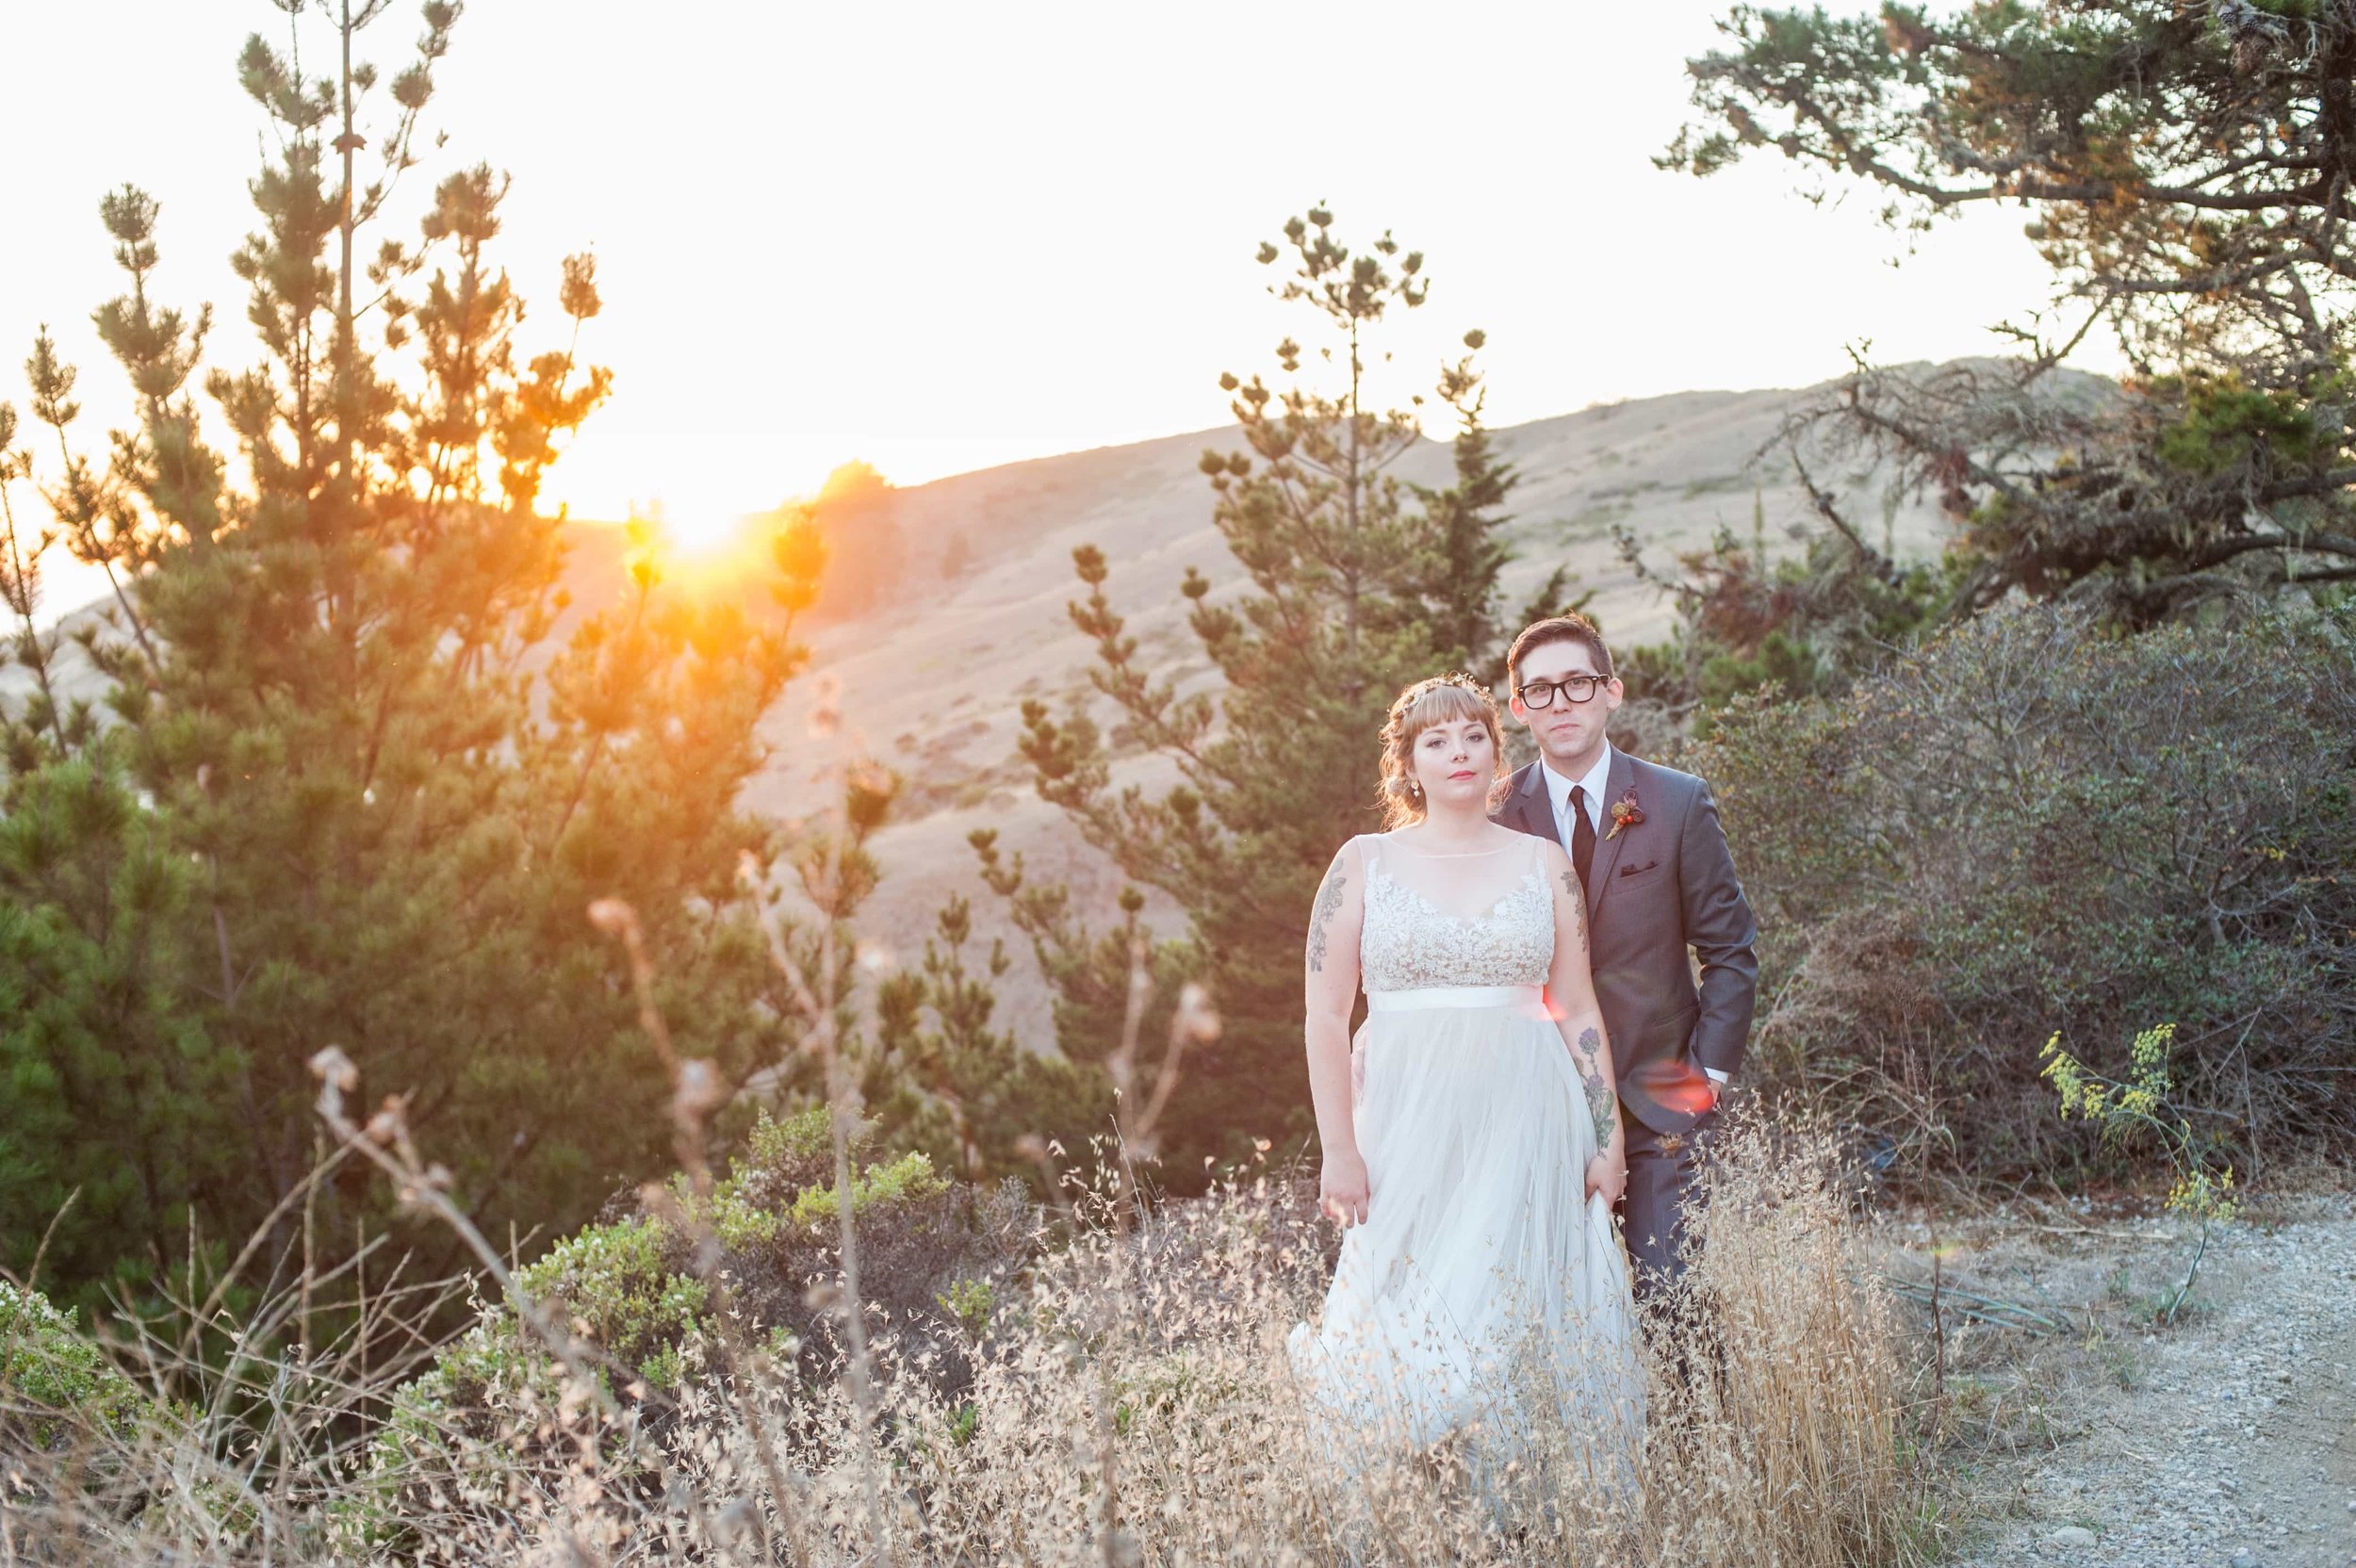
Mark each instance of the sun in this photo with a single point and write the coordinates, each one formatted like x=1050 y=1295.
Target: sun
x=693 y=534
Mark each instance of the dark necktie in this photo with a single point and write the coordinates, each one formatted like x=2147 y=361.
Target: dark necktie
x=1582 y=835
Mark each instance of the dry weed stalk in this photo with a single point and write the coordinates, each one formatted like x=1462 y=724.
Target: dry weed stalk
x=1782 y=1397
x=1193 y=1022
x=826 y=884
x=384 y=1140
x=697 y=1092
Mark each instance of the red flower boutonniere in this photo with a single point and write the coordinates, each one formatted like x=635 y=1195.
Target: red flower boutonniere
x=1625 y=814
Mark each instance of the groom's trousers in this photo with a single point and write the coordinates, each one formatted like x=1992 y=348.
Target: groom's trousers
x=1663 y=1177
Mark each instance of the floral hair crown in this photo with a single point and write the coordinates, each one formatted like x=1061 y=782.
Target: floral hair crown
x=1453 y=678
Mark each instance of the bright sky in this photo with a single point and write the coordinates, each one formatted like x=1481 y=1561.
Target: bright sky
x=942 y=237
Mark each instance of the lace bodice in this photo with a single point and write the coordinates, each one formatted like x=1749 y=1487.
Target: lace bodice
x=1408 y=941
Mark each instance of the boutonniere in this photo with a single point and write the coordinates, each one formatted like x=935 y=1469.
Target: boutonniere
x=1625 y=814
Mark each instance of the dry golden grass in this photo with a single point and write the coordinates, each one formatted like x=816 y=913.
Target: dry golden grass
x=1777 y=1435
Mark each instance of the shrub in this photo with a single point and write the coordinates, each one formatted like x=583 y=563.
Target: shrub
x=2136 y=1111
x=54 y=1382
x=620 y=1281
x=498 y=1407
x=2031 y=825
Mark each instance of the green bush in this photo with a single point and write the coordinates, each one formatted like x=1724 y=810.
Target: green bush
x=1808 y=624
x=54 y=1382
x=929 y=1249
x=2031 y=825
x=621 y=1281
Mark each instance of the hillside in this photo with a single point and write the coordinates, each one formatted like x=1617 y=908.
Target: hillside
x=933 y=684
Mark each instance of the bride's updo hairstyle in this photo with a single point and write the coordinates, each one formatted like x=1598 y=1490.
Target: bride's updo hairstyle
x=1442 y=700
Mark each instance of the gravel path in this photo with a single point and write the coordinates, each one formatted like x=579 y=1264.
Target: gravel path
x=2227 y=1441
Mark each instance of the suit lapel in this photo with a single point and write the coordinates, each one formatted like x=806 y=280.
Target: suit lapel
x=1617 y=782
x=1531 y=807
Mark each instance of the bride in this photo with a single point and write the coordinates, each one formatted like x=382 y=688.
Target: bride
x=1472 y=1145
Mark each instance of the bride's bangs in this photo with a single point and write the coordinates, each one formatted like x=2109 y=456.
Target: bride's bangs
x=1443 y=705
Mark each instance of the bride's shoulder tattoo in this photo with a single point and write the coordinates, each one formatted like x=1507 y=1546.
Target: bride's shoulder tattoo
x=1328 y=902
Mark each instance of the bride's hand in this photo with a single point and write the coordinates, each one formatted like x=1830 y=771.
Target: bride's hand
x=1607 y=1173
x=1342 y=1189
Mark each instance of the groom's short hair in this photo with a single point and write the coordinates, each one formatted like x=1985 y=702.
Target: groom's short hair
x=1570 y=627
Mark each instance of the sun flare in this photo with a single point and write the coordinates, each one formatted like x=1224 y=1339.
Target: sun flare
x=691 y=532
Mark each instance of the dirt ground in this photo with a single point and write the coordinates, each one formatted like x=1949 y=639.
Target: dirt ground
x=2078 y=1426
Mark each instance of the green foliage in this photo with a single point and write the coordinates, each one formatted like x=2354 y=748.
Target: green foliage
x=774 y=1147
x=2168 y=158
x=55 y=1380
x=970 y=1303
x=620 y=1281
x=2029 y=825
x=2220 y=424
x=619 y=1287
x=1808 y=623
x=1359 y=585
x=118 y=1095
x=367 y=766
x=933 y=1254
x=902 y=1181
x=784 y=1179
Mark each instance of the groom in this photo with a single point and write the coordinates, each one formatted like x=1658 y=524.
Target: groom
x=1658 y=879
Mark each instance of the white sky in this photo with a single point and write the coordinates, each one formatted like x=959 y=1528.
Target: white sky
x=940 y=236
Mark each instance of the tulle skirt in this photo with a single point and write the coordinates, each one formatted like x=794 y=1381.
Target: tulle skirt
x=1486 y=1298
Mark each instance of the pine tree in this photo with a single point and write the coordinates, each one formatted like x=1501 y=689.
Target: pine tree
x=1358 y=585
x=1466 y=555
x=46 y=731
x=355 y=795
x=968 y=1094
x=2183 y=168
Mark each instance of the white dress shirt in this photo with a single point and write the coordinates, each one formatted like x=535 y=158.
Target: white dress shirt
x=1559 y=791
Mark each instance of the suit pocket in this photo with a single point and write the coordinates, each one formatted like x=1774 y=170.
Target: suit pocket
x=1629 y=872
x=1663 y=1037
x=1678 y=1020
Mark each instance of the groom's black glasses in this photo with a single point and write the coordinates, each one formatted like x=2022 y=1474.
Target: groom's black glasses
x=1578 y=688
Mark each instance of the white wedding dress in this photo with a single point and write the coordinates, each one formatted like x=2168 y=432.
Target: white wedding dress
x=1485 y=1298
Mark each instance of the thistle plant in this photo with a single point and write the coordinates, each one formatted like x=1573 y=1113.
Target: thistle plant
x=2136 y=1107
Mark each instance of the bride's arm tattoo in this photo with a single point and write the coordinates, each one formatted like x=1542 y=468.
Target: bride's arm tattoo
x=1579 y=903
x=1601 y=1102
x=1329 y=901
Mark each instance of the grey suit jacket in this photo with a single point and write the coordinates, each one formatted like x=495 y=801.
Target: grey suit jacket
x=1655 y=889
